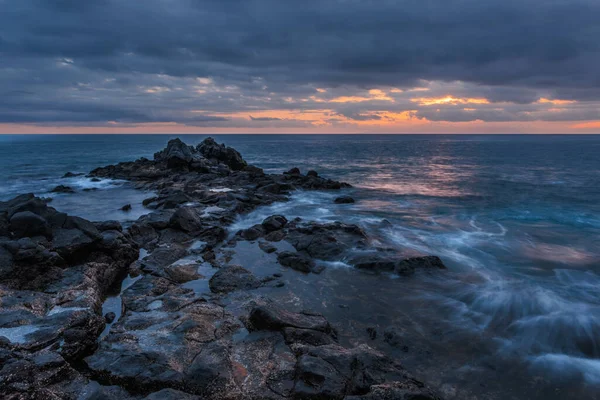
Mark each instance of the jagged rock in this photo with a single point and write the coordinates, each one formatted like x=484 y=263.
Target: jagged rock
x=219 y=152
x=232 y=278
x=344 y=200
x=312 y=173
x=177 y=154
x=126 y=207
x=274 y=223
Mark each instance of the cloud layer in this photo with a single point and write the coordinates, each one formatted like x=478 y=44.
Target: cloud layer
x=371 y=65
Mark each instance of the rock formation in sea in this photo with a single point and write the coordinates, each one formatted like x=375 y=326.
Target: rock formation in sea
x=168 y=340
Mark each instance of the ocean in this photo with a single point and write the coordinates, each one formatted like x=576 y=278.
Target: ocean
x=516 y=218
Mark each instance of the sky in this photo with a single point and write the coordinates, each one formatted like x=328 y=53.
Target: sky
x=306 y=66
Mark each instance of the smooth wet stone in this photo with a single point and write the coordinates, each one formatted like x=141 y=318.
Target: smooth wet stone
x=297 y=261
x=26 y=223
x=272 y=317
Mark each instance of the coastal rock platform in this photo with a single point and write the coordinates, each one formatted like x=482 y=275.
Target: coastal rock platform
x=201 y=309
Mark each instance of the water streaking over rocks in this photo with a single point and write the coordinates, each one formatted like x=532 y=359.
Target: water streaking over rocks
x=439 y=265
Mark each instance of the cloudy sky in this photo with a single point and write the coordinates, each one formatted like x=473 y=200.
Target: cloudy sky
x=393 y=66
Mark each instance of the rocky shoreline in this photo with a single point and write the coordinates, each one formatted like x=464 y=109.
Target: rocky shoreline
x=193 y=320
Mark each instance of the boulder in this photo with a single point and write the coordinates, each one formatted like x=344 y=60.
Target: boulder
x=312 y=173
x=26 y=223
x=274 y=223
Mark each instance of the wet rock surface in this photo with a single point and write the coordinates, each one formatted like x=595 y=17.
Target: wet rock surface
x=195 y=318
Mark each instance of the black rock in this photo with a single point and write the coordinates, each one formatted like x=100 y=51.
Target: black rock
x=63 y=189
x=293 y=171
x=109 y=317
x=26 y=223
x=71 y=175
x=219 y=152
x=126 y=207
x=296 y=261
x=252 y=233
x=274 y=223
x=312 y=173
x=344 y=200
x=232 y=278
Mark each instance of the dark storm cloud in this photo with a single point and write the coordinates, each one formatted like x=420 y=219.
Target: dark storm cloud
x=72 y=60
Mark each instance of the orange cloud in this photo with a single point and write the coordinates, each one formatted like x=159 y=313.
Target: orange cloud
x=430 y=101
x=587 y=125
x=543 y=100
x=374 y=94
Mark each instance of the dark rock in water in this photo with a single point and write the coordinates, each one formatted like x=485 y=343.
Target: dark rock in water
x=274 y=223
x=170 y=394
x=126 y=207
x=63 y=189
x=26 y=223
x=309 y=337
x=296 y=261
x=109 y=317
x=95 y=180
x=267 y=247
x=71 y=175
x=275 y=236
x=396 y=263
x=326 y=241
x=274 y=318
x=252 y=233
x=375 y=262
x=149 y=200
x=232 y=278
x=219 y=152
x=406 y=390
x=409 y=265
x=312 y=173
x=372 y=332
x=344 y=200
x=182 y=273
x=293 y=171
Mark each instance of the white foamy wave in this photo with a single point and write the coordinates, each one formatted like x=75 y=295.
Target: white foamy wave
x=568 y=367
